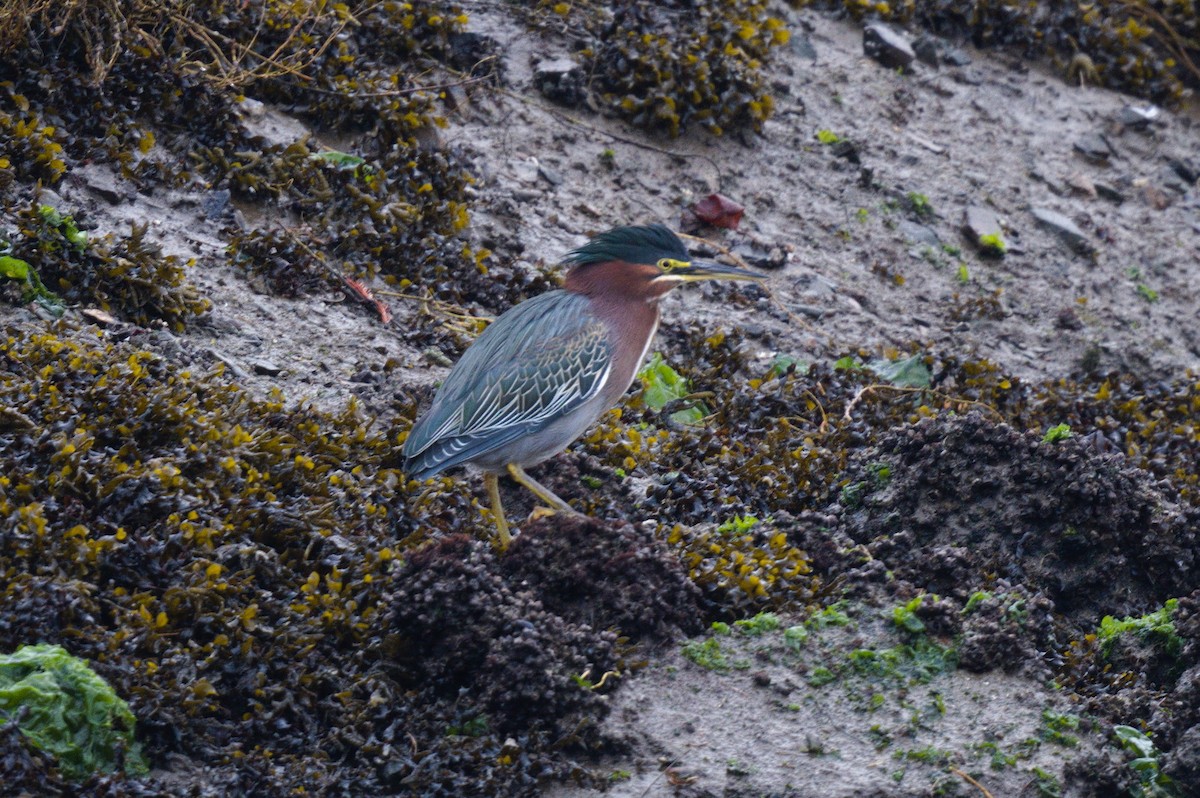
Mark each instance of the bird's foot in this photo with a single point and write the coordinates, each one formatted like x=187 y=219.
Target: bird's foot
x=539 y=513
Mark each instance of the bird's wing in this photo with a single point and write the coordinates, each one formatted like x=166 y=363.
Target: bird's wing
x=541 y=360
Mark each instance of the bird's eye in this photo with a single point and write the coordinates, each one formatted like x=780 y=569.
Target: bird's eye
x=669 y=264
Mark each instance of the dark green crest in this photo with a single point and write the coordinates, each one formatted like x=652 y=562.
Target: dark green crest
x=642 y=244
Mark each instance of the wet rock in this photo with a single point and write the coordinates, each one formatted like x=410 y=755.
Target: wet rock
x=1186 y=168
x=1082 y=184
x=1183 y=763
x=955 y=57
x=1110 y=192
x=1136 y=117
x=105 y=183
x=551 y=176
x=846 y=149
x=762 y=257
x=982 y=228
x=926 y=49
x=918 y=233
x=887 y=46
x=266 y=368
x=802 y=45
x=1093 y=147
x=562 y=81
x=1064 y=228
x=216 y=205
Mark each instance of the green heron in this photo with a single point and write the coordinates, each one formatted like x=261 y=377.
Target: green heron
x=542 y=372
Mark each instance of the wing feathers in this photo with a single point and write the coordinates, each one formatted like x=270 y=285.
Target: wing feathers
x=536 y=363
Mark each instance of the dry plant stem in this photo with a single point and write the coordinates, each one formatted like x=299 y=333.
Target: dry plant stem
x=445 y=308
x=846 y=416
x=967 y=778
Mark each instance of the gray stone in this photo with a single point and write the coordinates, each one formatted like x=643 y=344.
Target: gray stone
x=1093 y=146
x=103 y=182
x=551 y=176
x=955 y=57
x=216 y=204
x=918 y=233
x=980 y=222
x=265 y=367
x=1137 y=117
x=887 y=46
x=1064 y=228
x=926 y=49
x=1110 y=193
x=802 y=46
x=1186 y=168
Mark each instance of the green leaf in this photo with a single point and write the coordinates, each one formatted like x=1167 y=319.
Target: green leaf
x=828 y=137
x=342 y=160
x=15 y=268
x=781 y=364
x=908 y=373
x=1059 y=432
x=662 y=385
x=847 y=363
x=70 y=712
x=1135 y=741
x=65 y=225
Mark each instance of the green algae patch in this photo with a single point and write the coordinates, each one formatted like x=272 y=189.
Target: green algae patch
x=65 y=709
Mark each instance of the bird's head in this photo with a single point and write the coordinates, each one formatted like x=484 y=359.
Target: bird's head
x=644 y=262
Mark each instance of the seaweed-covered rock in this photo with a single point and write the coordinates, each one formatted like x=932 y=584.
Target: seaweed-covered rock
x=605 y=575
x=1058 y=517
x=459 y=630
x=1006 y=628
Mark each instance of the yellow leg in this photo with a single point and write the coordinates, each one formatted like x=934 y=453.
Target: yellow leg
x=540 y=490
x=503 y=536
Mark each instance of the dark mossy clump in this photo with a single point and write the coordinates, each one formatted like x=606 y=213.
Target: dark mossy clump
x=463 y=632
x=1057 y=517
x=1148 y=49
x=280 y=262
x=607 y=575
x=670 y=66
x=1007 y=628
x=194 y=544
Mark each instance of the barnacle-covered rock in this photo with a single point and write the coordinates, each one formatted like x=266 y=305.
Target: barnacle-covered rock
x=606 y=575
x=462 y=632
x=1055 y=516
x=1006 y=628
